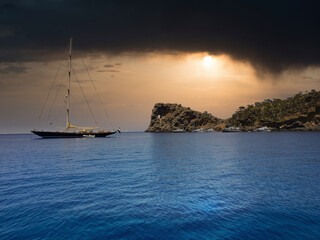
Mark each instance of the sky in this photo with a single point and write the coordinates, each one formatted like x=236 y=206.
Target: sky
x=208 y=55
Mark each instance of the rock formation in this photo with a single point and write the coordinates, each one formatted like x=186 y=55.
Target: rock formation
x=170 y=117
x=298 y=113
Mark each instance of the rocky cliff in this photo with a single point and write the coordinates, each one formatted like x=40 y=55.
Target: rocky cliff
x=170 y=117
x=298 y=113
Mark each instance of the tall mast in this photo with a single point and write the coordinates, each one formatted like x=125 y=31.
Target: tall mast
x=68 y=84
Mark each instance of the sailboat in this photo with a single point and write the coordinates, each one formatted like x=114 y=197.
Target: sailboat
x=78 y=132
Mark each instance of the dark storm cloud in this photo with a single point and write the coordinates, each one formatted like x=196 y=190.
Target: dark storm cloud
x=113 y=71
x=13 y=69
x=271 y=35
x=310 y=79
x=306 y=77
x=108 y=66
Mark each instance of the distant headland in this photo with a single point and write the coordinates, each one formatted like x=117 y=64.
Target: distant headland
x=298 y=113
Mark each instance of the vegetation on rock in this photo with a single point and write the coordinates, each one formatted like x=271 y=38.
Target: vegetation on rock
x=300 y=112
x=170 y=117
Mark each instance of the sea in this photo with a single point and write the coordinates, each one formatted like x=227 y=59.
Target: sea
x=263 y=185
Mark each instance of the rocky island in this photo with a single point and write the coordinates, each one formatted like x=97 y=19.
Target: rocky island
x=298 y=113
x=170 y=117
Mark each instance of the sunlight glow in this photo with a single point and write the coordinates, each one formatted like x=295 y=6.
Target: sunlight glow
x=207 y=60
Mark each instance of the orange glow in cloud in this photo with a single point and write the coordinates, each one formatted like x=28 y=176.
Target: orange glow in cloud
x=208 y=61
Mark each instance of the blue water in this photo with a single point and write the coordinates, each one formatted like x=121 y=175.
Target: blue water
x=161 y=186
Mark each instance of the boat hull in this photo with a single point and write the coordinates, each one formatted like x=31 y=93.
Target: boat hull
x=60 y=134
x=224 y=130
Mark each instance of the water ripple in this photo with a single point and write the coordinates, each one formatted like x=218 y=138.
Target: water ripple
x=161 y=186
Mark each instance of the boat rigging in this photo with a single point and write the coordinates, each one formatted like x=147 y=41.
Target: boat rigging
x=81 y=131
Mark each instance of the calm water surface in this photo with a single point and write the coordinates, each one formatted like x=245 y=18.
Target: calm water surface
x=161 y=186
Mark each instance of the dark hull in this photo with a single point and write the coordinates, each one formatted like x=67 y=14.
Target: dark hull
x=47 y=134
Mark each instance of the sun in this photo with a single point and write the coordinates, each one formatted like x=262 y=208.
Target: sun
x=207 y=60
